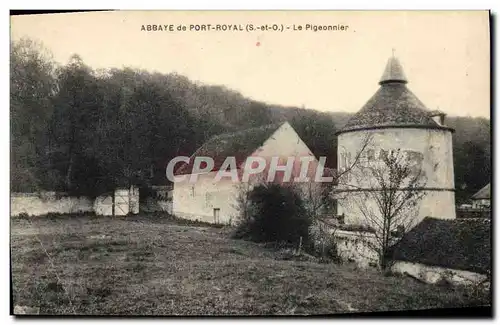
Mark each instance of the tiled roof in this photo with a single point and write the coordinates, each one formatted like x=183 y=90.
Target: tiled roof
x=239 y=144
x=462 y=244
x=393 y=72
x=392 y=105
x=484 y=193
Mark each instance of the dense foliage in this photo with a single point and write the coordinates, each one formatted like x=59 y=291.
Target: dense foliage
x=82 y=130
x=276 y=214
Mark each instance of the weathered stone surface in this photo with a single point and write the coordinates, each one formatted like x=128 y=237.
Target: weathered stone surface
x=26 y=310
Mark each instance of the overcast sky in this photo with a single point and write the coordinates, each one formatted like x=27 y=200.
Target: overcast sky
x=445 y=55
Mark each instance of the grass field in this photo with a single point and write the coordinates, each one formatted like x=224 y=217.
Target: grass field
x=146 y=265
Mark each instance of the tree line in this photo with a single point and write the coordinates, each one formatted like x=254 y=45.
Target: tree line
x=86 y=131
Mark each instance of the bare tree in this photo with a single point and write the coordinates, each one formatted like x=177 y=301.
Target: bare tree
x=323 y=233
x=318 y=199
x=242 y=204
x=320 y=202
x=342 y=173
x=388 y=197
x=243 y=190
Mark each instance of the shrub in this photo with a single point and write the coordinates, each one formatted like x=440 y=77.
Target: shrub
x=276 y=214
x=145 y=193
x=323 y=244
x=23 y=215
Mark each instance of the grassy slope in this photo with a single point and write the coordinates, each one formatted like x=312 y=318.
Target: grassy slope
x=143 y=265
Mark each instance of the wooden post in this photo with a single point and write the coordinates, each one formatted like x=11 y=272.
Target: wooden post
x=113 y=202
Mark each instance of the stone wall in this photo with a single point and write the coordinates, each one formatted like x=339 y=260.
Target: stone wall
x=42 y=203
x=36 y=204
x=357 y=247
x=103 y=205
x=350 y=246
x=434 y=274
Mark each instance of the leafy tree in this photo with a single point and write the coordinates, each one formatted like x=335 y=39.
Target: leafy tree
x=71 y=129
x=472 y=170
x=276 y=214
x=32 y=85
x=257 y=114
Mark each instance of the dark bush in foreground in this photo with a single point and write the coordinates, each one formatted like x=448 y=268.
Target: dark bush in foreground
x=276 y=214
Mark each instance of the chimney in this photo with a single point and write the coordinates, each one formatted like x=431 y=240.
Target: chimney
x=438 y=117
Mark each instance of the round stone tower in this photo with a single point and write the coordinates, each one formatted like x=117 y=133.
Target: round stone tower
x=394 y=119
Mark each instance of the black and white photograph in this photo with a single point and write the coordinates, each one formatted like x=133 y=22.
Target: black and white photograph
x=251 y=163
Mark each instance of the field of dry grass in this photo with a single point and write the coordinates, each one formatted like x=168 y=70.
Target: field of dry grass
x=147 y=265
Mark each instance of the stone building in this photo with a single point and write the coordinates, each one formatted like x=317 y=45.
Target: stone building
x=395 y=119
x=215 y=201
x=482 y=199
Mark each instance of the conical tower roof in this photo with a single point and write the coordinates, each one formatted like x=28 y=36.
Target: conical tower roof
x=393 y=105
x=393 y=72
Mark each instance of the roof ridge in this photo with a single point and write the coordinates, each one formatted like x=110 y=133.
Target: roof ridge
x=232 y=143
x=225 y=134
x=483 y=193
x=247 y=130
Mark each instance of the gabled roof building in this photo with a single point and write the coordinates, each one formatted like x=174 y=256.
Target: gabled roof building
x=215 y=200
x=483 y=194
x=482 y=199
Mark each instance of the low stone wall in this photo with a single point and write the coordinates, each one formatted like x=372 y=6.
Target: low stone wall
x=36 y=204
x=356 y=246
x=194 y=217
x=103 y=205
x=351 y=245
x=473 y=213
x=433 y=274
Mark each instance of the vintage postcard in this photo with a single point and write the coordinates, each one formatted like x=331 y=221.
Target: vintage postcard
x=214 y=163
